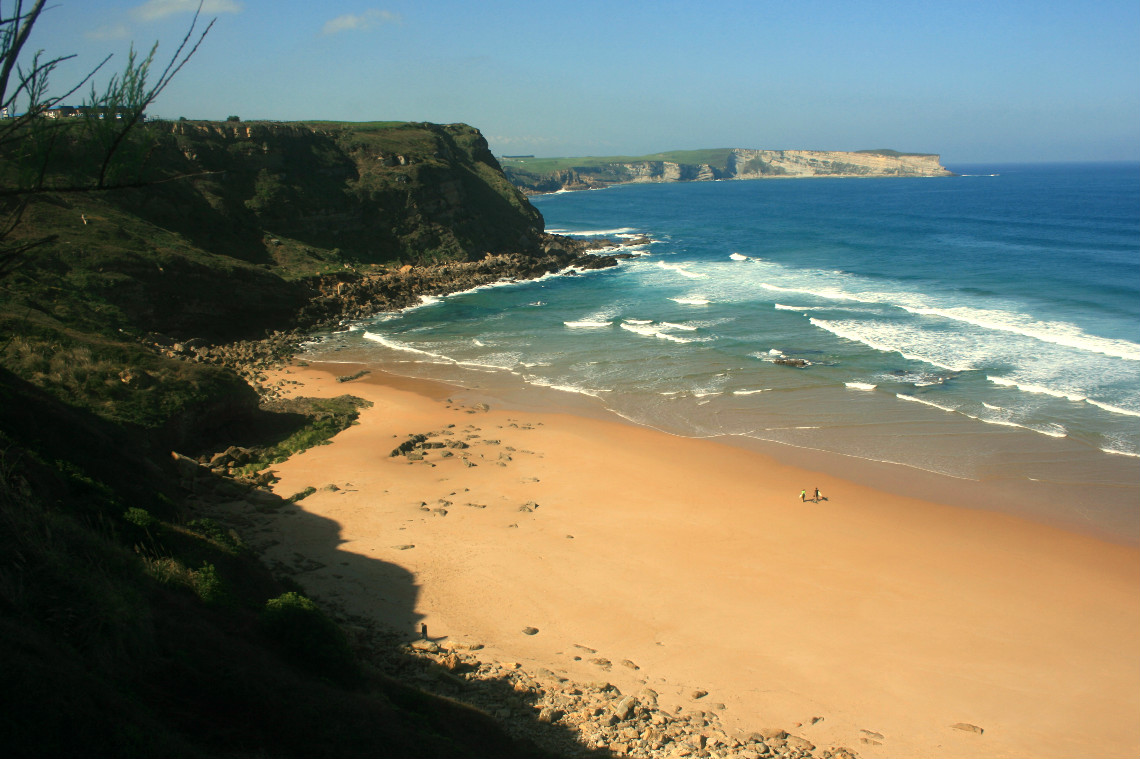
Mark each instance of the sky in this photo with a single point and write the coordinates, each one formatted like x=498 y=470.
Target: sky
x=976 y=82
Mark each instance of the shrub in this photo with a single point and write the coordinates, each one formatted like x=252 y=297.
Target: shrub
x=307 y=637
x=139 y=517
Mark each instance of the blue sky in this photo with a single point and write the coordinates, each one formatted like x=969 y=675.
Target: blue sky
x=994 y=81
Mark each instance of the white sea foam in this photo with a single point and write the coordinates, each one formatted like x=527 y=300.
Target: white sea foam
x=738 y=257
x=1053 y=430
x=637 y=321
x=395 y=345
x=1050 y=430
x=924 y=402
x=826 y=293
x=680 y=270
x=1057 y=333
x=706 y=393
x=424 y=302
x=672 y=325
x=587 y=324
x=484 y=366
x=1028 y=387
x=849 y=331
x=543 y=382
x=860 y=386
x=650 y=330
x=597 y=232
x=1012 y=322
x=1116 y=452
x=1112 y=409
x=751 y=392
x=691 y=301
x=488 y=286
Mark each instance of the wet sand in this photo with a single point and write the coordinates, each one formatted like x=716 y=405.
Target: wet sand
x=649 y=560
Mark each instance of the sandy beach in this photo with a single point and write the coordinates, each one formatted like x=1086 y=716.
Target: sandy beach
x=866 y=619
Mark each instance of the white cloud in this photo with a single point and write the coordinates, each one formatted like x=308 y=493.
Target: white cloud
x=356 y=22
x=152 y=10
x=109 y=32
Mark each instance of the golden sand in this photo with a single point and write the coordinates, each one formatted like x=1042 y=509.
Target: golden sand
x=692 y=565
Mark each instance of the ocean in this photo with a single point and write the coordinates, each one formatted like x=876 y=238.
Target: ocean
x=983 y=326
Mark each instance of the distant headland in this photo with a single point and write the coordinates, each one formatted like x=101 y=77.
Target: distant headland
x=541 y=175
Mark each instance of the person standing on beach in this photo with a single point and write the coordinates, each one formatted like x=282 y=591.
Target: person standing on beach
x=816 y=499
x=803 y=496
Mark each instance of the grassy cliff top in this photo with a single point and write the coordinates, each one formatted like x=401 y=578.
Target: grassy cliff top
x=715 y=157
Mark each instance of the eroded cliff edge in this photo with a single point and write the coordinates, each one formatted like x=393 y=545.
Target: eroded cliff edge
x=553 y=175
x=240 y=230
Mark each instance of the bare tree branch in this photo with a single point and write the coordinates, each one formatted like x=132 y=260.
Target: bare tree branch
x=34 y=151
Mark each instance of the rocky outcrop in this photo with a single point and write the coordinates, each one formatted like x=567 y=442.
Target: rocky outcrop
x=349 y=294
x=594 y=716
x=756 y=164
x=739 y=163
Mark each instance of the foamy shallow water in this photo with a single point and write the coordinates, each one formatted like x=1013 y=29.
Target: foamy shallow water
x=973 y=326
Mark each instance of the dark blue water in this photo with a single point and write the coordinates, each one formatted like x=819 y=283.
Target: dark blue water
x=951 y=324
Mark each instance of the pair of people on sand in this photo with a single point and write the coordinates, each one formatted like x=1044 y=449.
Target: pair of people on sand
x=818 y=496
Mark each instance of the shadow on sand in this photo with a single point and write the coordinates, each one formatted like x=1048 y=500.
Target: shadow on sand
x=421 y=665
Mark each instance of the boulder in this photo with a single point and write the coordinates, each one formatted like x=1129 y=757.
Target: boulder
x=799 y=744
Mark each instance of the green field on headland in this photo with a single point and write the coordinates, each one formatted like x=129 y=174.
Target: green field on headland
x=717 y=157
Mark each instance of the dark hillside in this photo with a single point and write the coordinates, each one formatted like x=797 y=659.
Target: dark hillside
x=242 y=230
x=132 y=623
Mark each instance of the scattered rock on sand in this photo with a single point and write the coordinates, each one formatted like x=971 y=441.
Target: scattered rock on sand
x=967 y=727
x=530 y=631
x=798 y=744
x=623 y=710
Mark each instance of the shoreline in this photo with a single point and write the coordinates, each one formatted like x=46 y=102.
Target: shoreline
x=694 y=561
x=1099 y=506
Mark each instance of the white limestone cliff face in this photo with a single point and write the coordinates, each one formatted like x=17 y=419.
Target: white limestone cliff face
x=756 y=164
x=667 y=171
x=741 y=164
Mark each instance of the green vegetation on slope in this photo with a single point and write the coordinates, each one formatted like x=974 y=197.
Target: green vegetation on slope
x=131 y=624
x=232 y=250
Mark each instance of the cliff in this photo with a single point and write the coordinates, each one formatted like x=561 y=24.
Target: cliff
x=132 y=623
x=238 y=230
x=552 y=175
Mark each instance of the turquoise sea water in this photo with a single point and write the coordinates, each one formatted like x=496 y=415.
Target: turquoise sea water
x=971 y=325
